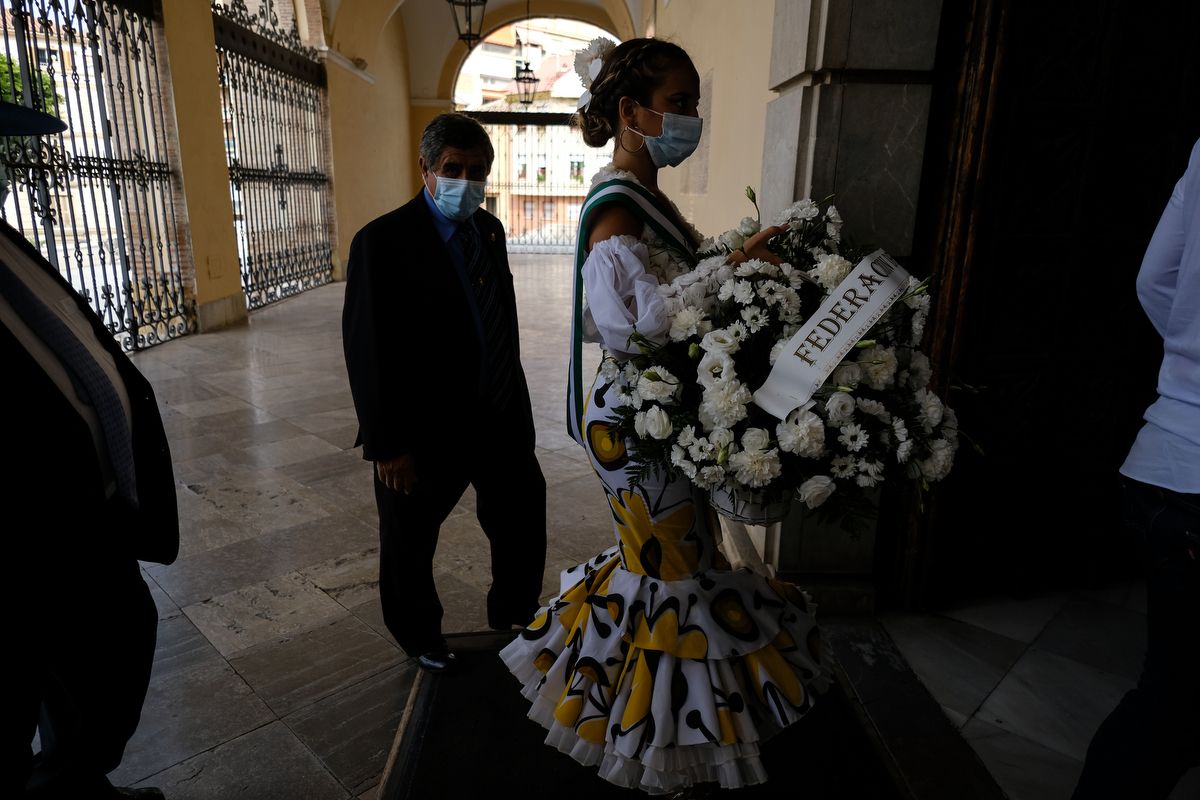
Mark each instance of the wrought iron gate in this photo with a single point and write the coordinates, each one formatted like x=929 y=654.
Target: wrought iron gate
x=539 y=179
x=276 y=144
x=99 y=199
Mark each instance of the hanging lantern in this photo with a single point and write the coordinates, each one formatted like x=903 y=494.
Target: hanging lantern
x=527 y=82
x=468 y=19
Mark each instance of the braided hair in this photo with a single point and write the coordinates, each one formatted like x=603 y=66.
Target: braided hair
x=635 y=68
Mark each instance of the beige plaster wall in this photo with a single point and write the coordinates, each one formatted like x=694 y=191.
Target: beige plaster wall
x=191 y=46
x=371 y=134
x=730 y=44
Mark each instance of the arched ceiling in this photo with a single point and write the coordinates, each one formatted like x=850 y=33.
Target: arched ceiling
x=434 y=51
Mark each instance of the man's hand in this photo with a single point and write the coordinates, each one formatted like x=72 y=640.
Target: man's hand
x=756 y=245
x=398 y=474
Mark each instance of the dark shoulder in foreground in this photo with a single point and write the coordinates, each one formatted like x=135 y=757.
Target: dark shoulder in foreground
x=391 y=222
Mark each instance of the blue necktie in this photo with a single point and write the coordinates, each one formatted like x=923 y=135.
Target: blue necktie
x=92 y=384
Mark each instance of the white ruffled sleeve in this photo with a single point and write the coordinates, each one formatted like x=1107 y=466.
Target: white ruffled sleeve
x=621 y=295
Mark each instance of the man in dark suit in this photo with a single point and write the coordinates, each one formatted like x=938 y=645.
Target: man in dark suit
x=430 y=334
x=89 y=492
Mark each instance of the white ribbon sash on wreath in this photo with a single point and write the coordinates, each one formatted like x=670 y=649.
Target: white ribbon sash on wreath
x=827 y=337
x=646 y=207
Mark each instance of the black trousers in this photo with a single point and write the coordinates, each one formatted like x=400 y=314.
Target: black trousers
x=83 y=655
x=1152 y=737
x=511 y=507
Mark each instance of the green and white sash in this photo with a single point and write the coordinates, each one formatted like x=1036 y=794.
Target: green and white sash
x=650 y=209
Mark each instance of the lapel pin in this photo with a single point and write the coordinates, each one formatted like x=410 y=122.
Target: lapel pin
x=493 y=236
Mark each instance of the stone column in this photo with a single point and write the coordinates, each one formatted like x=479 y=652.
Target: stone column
x=854 y=81
x=192 y=50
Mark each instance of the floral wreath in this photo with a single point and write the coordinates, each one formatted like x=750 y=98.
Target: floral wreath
x=588 y=62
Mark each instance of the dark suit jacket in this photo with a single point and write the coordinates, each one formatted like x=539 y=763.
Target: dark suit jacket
x=414 y=350
x=52 y=470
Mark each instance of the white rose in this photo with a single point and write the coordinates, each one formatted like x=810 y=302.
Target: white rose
x=840 y=408
x=756 y=439
x=715 y=366
x=848 y=374
x=748 y=226
x=657 y=423
x=816 y=490
x=720 y=341
x=731 y=240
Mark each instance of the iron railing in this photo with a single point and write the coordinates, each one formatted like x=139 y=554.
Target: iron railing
x=99 y=199
x=539 y=179
x=276 y=145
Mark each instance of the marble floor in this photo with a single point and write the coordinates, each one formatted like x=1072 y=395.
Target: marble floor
x=274 y=675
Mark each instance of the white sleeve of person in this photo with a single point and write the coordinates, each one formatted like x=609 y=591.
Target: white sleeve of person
x=621 y=296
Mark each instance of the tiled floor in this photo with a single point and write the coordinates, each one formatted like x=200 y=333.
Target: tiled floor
x=274 y=675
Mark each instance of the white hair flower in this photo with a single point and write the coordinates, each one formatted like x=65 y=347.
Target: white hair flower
x=588 y=62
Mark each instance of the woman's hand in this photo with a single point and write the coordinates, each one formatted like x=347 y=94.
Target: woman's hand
x=756 y=246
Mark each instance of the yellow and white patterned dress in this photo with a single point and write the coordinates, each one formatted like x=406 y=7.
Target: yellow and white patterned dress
x=652 y=662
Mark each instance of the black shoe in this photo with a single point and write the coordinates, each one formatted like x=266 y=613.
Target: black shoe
x=437 y=660
x=145 y=793
x=507 y=620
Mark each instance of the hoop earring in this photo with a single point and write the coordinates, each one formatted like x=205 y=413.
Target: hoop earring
x=621 y=140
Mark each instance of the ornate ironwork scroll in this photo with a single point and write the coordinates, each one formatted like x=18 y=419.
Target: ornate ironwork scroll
x=99 y=199
x=276 y=144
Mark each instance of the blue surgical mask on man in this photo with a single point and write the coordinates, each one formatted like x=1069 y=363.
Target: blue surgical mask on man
x=458 y=198
x=679 y=138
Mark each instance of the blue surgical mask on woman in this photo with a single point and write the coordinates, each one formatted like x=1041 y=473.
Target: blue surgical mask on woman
x=458 y=198
x=679 y=138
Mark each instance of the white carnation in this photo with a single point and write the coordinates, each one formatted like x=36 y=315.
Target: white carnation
x=801 y=433
x=709 y=476
x=874 y=408
x=831 y=270
x=940 y=460
x=879 y=364
x=776 y=351
x=721 y=437
x=931 y=409
x=755 y=468
x=724 y=405
x=702 y=450
x=919 y=370
x=950 y=425
x=685 y=323
x=680 y=461
x=659 y=385
x=687 y=435
x=609 y=370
